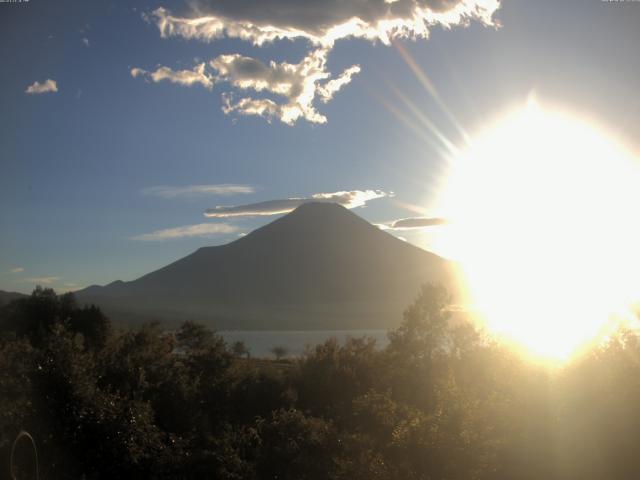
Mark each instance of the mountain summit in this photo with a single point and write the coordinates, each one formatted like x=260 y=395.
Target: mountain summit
x=319 y=267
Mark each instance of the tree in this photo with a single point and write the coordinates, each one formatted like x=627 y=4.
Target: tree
x=280 y=352
x=295 y=447
x=423 y=333
x=37 y=316
x=33 y=317
x=239 y=349
x=192 y=336
x=330 y=376
x=94 y=326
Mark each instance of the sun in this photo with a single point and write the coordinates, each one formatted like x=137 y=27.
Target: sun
x=543 y=213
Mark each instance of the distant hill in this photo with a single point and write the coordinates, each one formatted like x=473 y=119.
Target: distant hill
x=319 y=267
x=6 y=297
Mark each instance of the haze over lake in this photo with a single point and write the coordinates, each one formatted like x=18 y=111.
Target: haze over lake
x=260 y=343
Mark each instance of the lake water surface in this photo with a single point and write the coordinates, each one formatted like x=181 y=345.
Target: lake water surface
x=260 y=343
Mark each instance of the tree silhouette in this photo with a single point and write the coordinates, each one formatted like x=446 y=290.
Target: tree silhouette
x=440 y=401
x=240 y=349
x=280 y=352
x=35 y=317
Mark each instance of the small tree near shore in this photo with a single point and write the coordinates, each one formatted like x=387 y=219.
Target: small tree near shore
x=240 y=350
x=280 y=352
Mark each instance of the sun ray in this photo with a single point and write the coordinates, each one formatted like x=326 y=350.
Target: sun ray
x=428 y=138
x=429 y=87
x=425 y=121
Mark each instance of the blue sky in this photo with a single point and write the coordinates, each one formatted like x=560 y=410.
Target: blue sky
x=77 y=163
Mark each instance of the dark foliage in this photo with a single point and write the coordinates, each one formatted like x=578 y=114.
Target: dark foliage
x=439 y=402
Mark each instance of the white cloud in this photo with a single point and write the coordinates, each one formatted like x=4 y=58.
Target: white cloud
x=182 y=77
x=85 y=41
x=198 y=230
x=166 y=191
x=297 y=86
x=44 y=87
x=322 y=22
x=412 y=223
x=327 y=90
x=43 y=280
x=17 y=270
x=348 y=199
x=252 y=106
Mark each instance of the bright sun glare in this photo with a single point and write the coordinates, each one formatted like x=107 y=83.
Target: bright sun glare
x=543 y=218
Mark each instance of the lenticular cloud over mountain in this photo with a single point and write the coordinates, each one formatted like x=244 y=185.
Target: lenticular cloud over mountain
x=296 y=87
x=350 y=199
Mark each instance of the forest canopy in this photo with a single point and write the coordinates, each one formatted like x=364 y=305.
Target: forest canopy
x=440 y=401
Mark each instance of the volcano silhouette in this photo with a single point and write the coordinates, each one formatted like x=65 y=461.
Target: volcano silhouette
x=319 y=267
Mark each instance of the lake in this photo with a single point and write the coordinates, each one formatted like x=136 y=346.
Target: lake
x=260 y=343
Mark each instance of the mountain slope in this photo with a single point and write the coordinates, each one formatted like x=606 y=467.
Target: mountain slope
x=319 y=267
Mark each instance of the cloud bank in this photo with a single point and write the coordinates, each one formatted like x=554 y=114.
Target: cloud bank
x=321 y=22
x=17 y=270
x=37 y=88
x=198 y=230
x=348 y=199
x=295 y=88
x=188 y=191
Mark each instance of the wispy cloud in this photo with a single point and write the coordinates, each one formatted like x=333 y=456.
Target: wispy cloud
x=85 y=41
x=17 y=270
x=43 y=280
x=196 y=76
x=167 y=191
x=348 y=199
x=198 y=230
x=412 y=223
x=297 y=87
x=45 y=87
